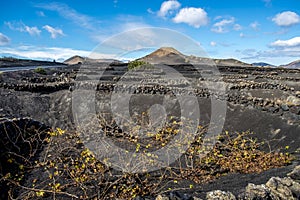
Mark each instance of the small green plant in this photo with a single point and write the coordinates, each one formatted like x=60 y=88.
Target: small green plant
x=40 y=70
x=136 y=64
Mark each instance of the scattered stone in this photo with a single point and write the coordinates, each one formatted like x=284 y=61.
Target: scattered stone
x=275 y=132
x=284 y=107
x=220 y=195
x=283 y=188
x=255 y=192
x=294 y=100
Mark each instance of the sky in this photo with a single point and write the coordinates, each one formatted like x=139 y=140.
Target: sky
x=247 y=30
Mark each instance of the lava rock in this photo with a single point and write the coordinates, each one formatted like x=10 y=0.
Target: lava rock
x=294 y=100
x=283 y=188
x=218 y=194
x=256 y=192
x=284 y=107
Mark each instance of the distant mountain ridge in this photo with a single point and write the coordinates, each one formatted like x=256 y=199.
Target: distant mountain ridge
x=170 y=55
x=231 y=62
x=292 y=65
x=79 y=60
x=262 y=64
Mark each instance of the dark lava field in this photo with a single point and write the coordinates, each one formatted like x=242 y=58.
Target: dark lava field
x=257 y=132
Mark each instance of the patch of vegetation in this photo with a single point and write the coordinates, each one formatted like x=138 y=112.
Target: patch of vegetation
x=40 y=70
x=67 y=169
x=235 y=153
x=136 y=64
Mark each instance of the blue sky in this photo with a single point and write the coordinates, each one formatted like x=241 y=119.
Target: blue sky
x=248 y=30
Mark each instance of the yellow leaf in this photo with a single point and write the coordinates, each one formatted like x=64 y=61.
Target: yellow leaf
x=40 y=193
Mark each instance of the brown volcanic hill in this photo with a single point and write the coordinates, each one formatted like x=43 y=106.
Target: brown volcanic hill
x=74 y=60
x=292 y=65
x=164 y=51
x=167 y=55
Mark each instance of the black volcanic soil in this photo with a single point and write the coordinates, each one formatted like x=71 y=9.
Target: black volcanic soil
x=265 y=101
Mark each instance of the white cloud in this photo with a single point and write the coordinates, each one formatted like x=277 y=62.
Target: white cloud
x=4 y=40
x=224 y=25
x=195 y=17
x=225 y=22
x=168 y=7
x=32 y=30
x=254 y=25
x=23 y=28
x=237 y=27
x=71 y=14
x=53 y=31
x=286 y=18
x=287 y=43
x=213 y=44
x=42 y=53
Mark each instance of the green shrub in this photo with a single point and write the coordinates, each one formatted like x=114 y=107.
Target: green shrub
x=40 y=70
x=135 y=64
